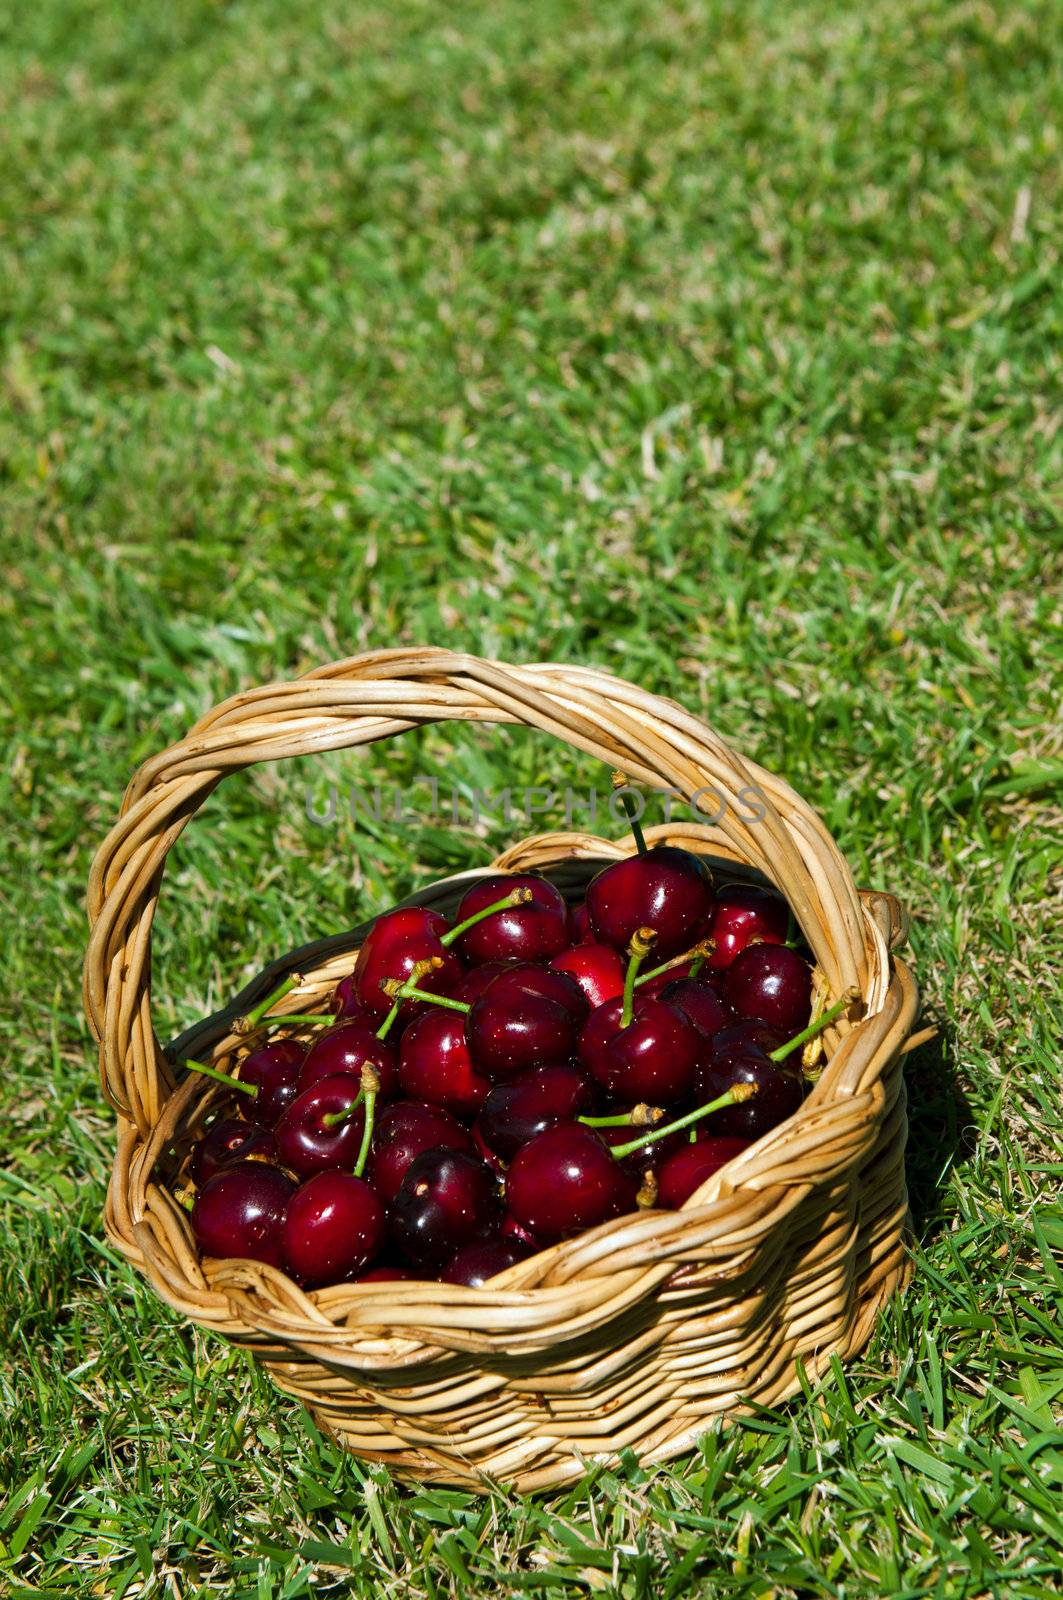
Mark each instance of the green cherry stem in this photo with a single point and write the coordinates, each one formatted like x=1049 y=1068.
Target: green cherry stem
x=734 y=1096
x=620 y=784
x=299 y=1019
x=640 y=1116
x=332 y=1119
x=370 y=1088
x=696 y=955
x=223 y=1077
x=253 y=1017
x=642 y=942
x=395 y=989
x=814 y=1028
x=516 y=897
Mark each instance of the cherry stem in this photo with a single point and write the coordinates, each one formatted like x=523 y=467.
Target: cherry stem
x=332 y=1119
x=223 y=1077
x=620 y=784
x=253 y=1017
x=814 y=1028
x=389 y=1021
x=398 y=990
x=695 y=955
x=299 y=1018
x=734 y=1096
x=642 y=943
x=640 y=1116
x=370 y=1088
x=516 y=897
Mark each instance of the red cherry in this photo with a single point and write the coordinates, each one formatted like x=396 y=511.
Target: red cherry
x=597 y=968
x=666 y=889
x=512 y=1229
x=397 y=942
x=771 y=983
x=687 y=1168
x=745 y=911
x=579 y=925
x=334 y=1226
x=651 y=1157
x=779 y=1091
x=403 y=1131
x=274 y=1070
x=700 y=1004
x=565 y=1180
x=532 y=931
x=227 y=1141
x=344 y=1002
x=517 y=1111
x=475 y=981
x=527 y=1017
x=651 y=1059
x=475 y=1263
x=240 y=1211
x=348 y=1048
x=385 y=1275
x=734 y=1038
x=435 y=1064
x=306 y=1142
x=446 y=1200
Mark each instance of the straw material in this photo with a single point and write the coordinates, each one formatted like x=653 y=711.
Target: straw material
x=635 y=1334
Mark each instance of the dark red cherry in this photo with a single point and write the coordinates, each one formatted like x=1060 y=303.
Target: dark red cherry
x=667 y=889
x=446 y=1200
x=579 y=924
x=435 y=1064
x=274 y=1070
x=227 y=1141
x=240 y=1211
x=779 y=1092
x=533 y=931
x=512 y=1229
x=687 y=1168
x=565 y=1180
x=745 y=911
x=517 y=1111
x=348 y=1048
x=404 y=1130
x=397 y=941
x=700 y=1003
x=484 y=1151
x=385 y=1275
x=736 y=1036
x=344 y=1002
x=771 y=983
x=527 y=1017
x=597 y=968
x=475 y=981
x=334 y=1226
x=651 y=1157
x=475 y=1263
x=306 y=1142
x=652 y=1059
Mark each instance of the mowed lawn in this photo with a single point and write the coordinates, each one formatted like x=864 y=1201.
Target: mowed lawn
x=717 y=344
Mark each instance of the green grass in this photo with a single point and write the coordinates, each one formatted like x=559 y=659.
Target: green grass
x=717 y=344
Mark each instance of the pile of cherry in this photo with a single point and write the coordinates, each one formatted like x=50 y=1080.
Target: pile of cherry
x=481 y=1090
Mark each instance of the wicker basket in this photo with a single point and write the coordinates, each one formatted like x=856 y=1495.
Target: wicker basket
x=635 y=1334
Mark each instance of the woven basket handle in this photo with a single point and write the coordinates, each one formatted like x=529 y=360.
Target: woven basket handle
x=383 y=693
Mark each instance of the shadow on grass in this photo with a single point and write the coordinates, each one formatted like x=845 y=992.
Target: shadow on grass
x=941 y=1131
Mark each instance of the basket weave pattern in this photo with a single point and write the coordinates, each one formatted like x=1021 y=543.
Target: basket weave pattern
x=634 y=1334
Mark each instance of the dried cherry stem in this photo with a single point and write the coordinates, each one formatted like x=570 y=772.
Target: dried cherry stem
x=516 y=897
x=734 y=1097
x=814 y=1028
x=642 y=942
x=253 y=1017
x=620 y=783
x=697 y=955
x=222 y=1077
x=640 y=1116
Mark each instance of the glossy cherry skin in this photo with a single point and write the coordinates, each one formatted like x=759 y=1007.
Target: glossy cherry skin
x=435 y=1064
x=737 y=1036
x=344 y=1002
x=667 y=889
x=534 y=931
x=446 y=1200
x=475 y=1263
x=404 y=1130
x=227 y=1141
x=565 y=1180
x=240 y=1212
x=348 y=1048
x=688 y=1168
x=651 y=1157
x=779 y=1092
x=274 y=1070
x=305 y=1143
x=597 y=968
x=527 y=1017
x=700 y=1004
x=397 y=941
x=512 y=1229
x=653 y=1059
x=519 y=1110
x=475 y=981
x=771 y=983
x=745 y=911
x=579 y=924
x=334 y=1226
